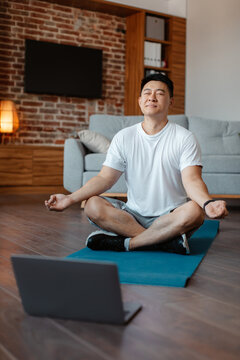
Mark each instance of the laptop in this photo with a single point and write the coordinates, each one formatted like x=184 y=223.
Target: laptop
x=71 y=289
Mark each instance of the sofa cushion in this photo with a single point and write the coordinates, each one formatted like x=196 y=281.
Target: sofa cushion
x=93 y=162
x=119 y=187
x=179 y=120
x=95 y=142
x=216 y=136
x=222 y=183
x=109 y=125
x=227 y=164
x=211 y=163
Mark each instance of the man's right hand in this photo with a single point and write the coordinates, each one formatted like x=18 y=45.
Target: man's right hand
x=58 y=202
x=95 y=186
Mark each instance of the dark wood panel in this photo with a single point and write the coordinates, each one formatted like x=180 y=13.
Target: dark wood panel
x=178 y=60
x=47 y=167
x=14 y=173
x=55 y=179
x=23 y=167
x=15 y=166
x=134 y=70
x=15 y=152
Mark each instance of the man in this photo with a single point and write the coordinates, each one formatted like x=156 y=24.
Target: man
x=162 y=166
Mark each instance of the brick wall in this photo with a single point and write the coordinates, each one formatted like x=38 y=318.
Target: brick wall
x=47 y=119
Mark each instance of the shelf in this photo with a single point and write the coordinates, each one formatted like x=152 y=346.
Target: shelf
x=164 y=42
x=102 y=6
x=173 y=52
x=156 y=68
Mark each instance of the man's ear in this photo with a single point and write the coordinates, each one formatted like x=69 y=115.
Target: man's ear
x=171 y=102
x=139 y=100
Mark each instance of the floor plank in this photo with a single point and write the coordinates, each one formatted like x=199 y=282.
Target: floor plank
x=28 y=337
x=221 y=274
x=5 y=354
x=210 y=311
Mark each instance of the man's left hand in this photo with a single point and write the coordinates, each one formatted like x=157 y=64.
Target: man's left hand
x=216 y=209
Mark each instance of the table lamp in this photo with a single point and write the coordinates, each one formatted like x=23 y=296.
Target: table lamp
x=9 y=122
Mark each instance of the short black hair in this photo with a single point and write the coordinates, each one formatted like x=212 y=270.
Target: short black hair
x=158 y=77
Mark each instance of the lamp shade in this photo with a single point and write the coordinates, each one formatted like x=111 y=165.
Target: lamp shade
x=8 y=117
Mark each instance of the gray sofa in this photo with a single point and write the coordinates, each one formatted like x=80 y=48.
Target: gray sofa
x=219 y=141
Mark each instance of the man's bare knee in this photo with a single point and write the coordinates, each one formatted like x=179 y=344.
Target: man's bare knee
x=198 y=213
x=191 y=215
x=94 y=208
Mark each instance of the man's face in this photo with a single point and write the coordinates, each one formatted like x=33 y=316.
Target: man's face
x=155 y=98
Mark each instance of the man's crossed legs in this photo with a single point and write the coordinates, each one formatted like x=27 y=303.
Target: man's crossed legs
x=131 y=232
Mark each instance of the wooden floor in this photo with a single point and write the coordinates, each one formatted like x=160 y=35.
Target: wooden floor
x=201 y=321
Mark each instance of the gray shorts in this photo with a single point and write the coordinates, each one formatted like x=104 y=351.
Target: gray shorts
x=145 y=221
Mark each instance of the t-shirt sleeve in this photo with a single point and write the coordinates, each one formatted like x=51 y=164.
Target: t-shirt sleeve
x=115 y=156
x=191 y=153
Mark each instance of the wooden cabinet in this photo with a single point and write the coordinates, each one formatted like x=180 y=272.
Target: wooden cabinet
x=173 y=54
x=31 y=169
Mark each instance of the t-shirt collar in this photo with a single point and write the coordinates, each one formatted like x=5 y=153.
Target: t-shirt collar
x=143 y=133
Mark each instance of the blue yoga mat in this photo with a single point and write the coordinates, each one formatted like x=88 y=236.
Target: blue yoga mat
x=156 y=267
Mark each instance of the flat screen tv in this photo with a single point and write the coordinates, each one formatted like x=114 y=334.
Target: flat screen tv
x=65 y=70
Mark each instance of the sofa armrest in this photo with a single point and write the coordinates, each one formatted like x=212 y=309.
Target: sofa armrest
x=74 y=153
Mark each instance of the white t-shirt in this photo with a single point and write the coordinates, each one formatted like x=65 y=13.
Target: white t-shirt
x=152 y=165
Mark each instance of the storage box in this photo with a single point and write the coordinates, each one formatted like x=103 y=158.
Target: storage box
x=155 y=27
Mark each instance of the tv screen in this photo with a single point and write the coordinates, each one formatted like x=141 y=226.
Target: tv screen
x=62 y=70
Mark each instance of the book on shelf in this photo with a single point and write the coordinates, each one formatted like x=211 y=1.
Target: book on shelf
x=152 y=54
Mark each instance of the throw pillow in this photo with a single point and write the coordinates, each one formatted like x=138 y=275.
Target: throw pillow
x=93 y=141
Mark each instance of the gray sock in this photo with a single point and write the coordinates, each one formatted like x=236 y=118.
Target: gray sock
x=126 y=243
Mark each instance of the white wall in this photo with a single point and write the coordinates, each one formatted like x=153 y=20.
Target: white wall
x=171 y=7
x=213 y=59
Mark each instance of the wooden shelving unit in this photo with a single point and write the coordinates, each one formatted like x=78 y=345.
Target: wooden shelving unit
x=173 y=51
